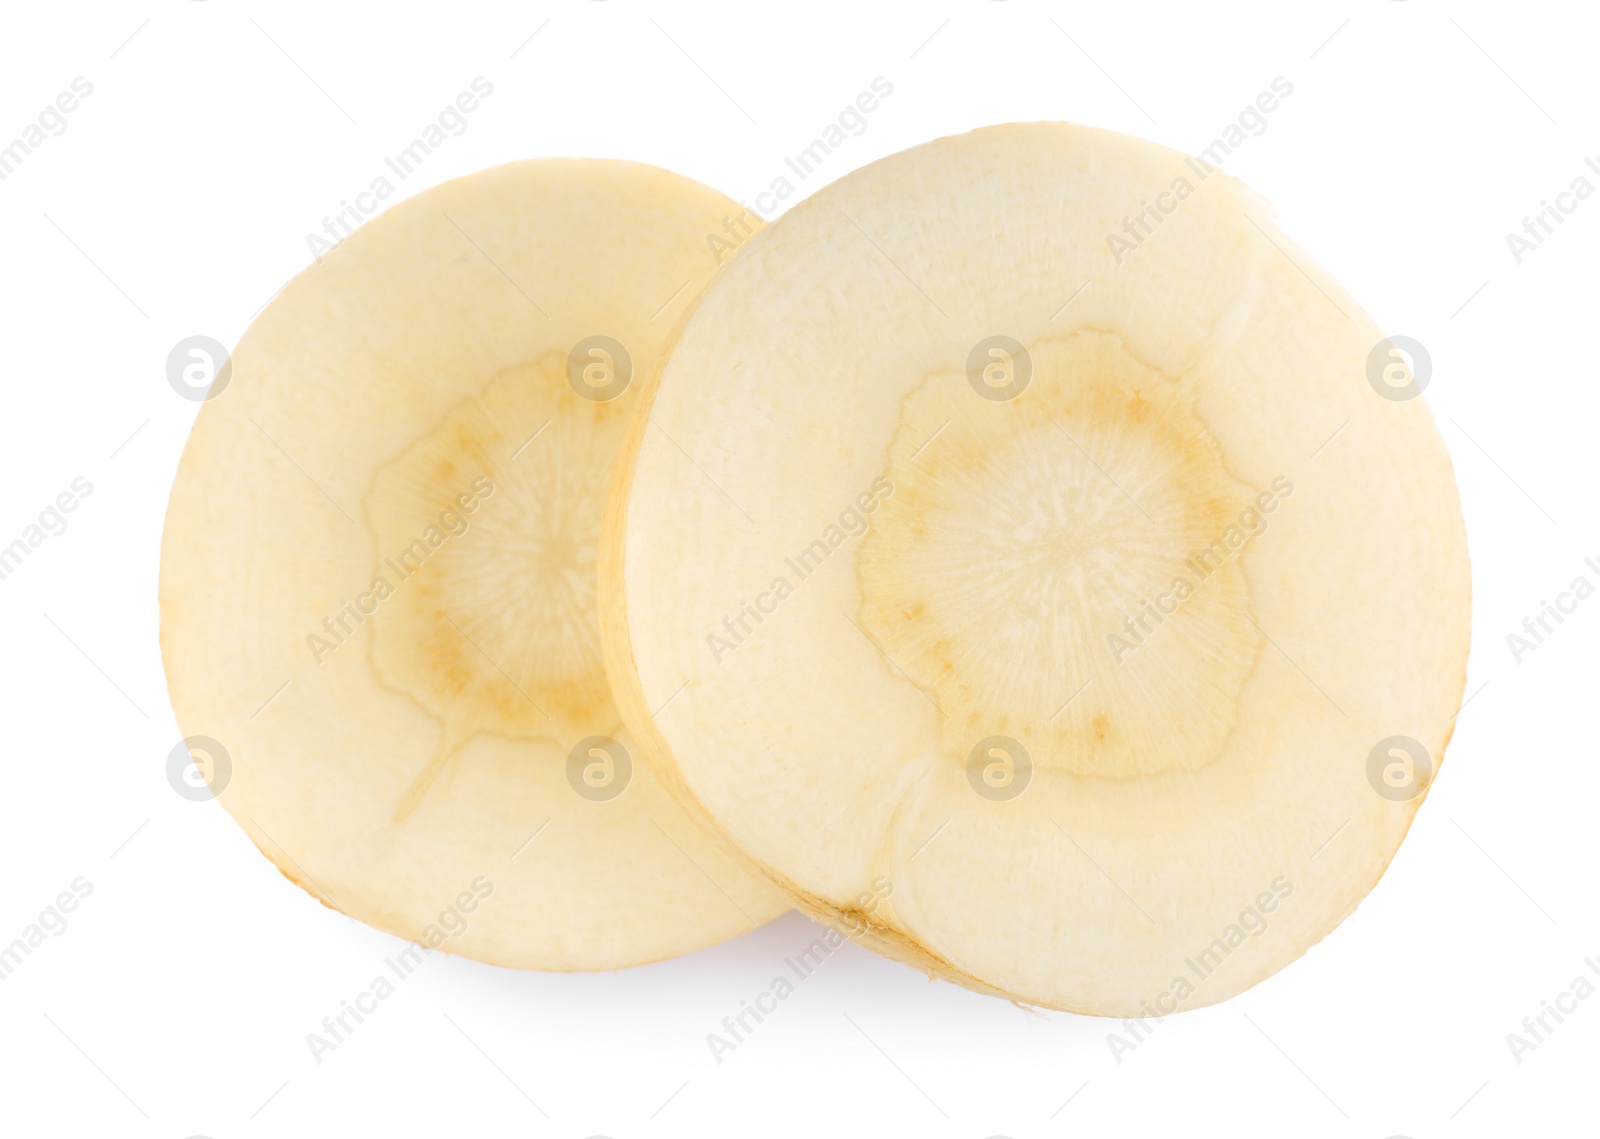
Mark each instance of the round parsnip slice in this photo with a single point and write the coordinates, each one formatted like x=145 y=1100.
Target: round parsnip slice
x=378 y=574
x=1057 y=584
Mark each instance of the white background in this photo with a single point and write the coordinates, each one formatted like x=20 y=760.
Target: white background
x=219 y=135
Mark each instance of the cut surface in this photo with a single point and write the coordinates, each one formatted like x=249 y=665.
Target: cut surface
x=379 y=573
x=1050 y=592
x=993 y=573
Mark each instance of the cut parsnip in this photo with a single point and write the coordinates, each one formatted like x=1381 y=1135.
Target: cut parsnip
x=378 y=573
x=1080 y=602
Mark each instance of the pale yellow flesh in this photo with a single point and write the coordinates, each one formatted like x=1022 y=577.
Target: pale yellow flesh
x=391 y=763
x=971 y=558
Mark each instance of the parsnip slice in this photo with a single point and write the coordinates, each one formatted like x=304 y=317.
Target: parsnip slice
x=378 y=573
x=906 y=529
